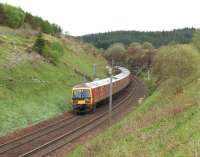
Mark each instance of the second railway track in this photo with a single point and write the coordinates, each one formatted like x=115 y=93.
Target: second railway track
x=49 y=138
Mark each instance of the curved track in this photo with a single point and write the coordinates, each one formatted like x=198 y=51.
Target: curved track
x=52 y=137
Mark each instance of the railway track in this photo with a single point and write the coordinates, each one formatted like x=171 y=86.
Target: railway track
x=50 y=138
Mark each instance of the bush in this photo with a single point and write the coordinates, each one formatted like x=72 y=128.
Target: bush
x=34 y=21
x=147 y=45
x=39 y=44
x=196 y=39
x=53 y=52
x=116 y=51
x=151 y=84
x=2 y=15
x=171 y=86
x=135 y=45
x=179 y=61
x=14 y=17
x=46 y=27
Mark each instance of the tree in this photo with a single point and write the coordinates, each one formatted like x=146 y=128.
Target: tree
x=157 y=39
x=46 y=27
x=147 y=45
x=179 y=61
x=14 y=17
x=39 y=44
x=116 y=51
x=138 y=58
x=34 y=21
x=135 y=45
x=56 y=29
x=2 y=15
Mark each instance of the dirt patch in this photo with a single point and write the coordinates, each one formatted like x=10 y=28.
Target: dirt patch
x=20 y=56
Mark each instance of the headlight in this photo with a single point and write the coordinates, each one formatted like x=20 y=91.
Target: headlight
x=87 y=100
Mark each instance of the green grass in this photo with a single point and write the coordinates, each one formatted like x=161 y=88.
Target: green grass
x=162 y=126
x=31 y=89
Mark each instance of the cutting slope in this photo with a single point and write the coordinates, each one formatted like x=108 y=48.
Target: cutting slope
x=33 y=89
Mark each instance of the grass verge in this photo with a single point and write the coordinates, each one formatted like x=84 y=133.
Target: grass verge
x=31 y=88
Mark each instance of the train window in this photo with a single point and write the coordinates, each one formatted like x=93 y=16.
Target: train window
x=81 y=93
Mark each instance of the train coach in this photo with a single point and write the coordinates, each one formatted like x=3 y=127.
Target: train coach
x=85 y=96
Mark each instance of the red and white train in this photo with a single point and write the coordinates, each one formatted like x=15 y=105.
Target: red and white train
x=85 y=96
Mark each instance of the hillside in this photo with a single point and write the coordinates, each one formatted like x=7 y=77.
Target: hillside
x=32 y=87
x=166 y=124
x=158 y=127
x=158 y=38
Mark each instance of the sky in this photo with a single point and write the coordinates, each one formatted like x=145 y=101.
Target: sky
x=79 y=17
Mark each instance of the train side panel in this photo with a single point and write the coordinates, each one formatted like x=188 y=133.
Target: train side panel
x=102 y=92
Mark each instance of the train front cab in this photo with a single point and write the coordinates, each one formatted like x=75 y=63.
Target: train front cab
x=82 y=100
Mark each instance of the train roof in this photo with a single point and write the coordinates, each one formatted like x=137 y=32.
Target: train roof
x=124 y=73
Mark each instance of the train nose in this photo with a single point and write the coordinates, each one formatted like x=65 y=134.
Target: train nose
x=81 y=102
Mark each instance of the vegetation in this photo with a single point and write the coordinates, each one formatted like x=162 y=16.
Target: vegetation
x=147 y=45
x=52 y=51
x=15 y=18
x=116 y=52
x=37 y=85
x=158 y=127
x=137 y=57
x=196 y=39
x=158 y=38
x=176 y=61
x=167 y=122
x=39 y=44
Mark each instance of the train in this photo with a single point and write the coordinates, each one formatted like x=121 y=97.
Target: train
x=86 y=96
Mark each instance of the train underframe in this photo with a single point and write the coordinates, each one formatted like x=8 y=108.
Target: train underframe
x=83 y=108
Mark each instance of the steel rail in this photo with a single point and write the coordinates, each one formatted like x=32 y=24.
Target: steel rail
x=77 y=132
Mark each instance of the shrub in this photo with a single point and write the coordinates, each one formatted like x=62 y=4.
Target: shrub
x=2 y=15
x=56 y=29
x=135 y=45
x=178 y=61
x=39 y=44
x=151 y=84
x=53 y=52
x=34 y=21
x=196 y=39
x=46 y=27
x=116 y=51
x=147 y=45
x=14 y=17
x=171 y=86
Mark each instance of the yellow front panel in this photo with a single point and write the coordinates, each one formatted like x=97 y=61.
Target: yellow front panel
x=81 y=102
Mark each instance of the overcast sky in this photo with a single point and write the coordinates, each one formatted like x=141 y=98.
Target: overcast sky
x=80 y=17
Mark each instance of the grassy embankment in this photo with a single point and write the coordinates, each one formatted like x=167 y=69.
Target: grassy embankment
x=33 y=89
x=166 y=123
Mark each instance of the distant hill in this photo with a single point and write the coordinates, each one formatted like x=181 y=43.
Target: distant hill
x=158 y=38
